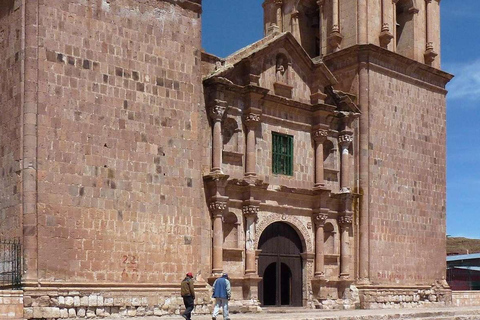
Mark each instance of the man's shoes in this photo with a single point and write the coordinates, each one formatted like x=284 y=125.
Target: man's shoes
x=213 y=318
x=184 y=317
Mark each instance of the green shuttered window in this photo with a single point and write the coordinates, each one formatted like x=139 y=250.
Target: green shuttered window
x=282 y=159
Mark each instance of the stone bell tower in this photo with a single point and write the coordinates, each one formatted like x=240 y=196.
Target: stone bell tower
x=408 y=27
x=387 y=53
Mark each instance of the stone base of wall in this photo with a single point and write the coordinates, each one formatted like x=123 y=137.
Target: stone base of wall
x=91 y=303
x=11 y=304
x=374 y=297
x=465 y=298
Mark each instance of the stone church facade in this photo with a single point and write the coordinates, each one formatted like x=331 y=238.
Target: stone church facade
x=309 y=165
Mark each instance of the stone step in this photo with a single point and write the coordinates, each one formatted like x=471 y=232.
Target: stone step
x=465 y=313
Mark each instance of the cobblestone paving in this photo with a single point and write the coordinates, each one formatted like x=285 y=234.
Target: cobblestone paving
x=463 y=313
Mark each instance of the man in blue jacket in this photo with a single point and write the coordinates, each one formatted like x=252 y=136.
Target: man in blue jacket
x=222 y=293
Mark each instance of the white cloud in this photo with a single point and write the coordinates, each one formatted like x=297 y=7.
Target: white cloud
x=466 y=84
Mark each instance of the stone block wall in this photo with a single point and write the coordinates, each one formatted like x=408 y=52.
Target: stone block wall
x=120 y=142
x=413 y=297
x=407 y=174
x=11 y=304
x=465 y=298
x=11 y=119
x=61 y=304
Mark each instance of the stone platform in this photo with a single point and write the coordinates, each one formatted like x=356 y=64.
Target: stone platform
x=458 y=313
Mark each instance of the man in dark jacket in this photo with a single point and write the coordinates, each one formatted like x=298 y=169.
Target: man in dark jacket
x=222 y=293
x=188 y=295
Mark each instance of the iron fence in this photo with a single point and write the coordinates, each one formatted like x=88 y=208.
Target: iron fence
x=10 y=263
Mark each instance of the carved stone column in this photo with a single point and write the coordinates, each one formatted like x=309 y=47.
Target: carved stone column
x=278 y=11
x=319 y=218
x=250 y=211
x=385 y=35
x=251 y=120
x=319 y=135
x=335 y=38
x=320 y=4
x=216 y=114
x=344 y=140
x=295 y=25
x=345 y=223
x=430 y=53
x=217 y=207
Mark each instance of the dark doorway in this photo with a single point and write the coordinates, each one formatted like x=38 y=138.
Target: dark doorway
x=280 y=266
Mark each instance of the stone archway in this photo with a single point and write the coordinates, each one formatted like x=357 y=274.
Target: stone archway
x=280 y=266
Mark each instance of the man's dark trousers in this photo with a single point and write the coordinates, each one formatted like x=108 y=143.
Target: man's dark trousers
x=189 y=303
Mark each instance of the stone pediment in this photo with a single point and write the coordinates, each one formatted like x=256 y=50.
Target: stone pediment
x=279 y=64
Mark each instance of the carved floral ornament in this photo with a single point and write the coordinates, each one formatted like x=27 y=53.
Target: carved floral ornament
x=251 y=118
x=320 y=219
x=250 y=210
x=217 y=207
x=345 y=139
x=345 y=220
x=320 y=134
x=216 y=112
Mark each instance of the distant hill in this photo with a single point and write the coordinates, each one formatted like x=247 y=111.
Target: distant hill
x=459 y=245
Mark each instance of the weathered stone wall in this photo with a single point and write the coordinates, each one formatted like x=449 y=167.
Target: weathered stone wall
x=110 y=302
x=120 y=143
x=465 y=298
x=407 y=174
x=11 y=60
x=11 y=304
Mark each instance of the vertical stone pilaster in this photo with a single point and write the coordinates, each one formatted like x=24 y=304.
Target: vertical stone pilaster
x=216 y=113
x=345 y=223
x=250 y=211
x=30 y=24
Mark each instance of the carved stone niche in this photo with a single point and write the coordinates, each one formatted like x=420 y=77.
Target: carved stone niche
x=281 y=86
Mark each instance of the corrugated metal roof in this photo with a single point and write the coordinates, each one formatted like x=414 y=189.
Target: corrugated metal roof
x=464 y=257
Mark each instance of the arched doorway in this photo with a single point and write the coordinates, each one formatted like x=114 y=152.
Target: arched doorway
x=280 y=266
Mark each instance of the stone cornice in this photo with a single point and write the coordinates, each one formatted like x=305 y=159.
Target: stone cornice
x=386 y=59
x=193 y=5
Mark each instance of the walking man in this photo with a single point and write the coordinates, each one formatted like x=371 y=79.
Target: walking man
x=188 y=295
x=221 y=293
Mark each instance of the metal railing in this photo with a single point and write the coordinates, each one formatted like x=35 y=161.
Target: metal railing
x=10 y=263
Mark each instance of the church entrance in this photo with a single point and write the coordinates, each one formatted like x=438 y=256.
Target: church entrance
x=280 y=266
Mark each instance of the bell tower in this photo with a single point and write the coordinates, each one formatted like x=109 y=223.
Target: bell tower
x=387 y=53
x=407 y=27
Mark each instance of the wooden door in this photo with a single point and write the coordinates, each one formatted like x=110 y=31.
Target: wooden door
x=280 y=266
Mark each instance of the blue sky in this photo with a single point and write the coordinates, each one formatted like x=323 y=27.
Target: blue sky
x=229 y=25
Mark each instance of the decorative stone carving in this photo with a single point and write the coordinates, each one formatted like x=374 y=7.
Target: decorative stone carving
x=345 y=139
x=385 y=36
x=303 y=232
x=345 y=220
x=250 y=210
x=217 y=111
x=217 y=207
x=251 y=119
x=281 y=68
x=320 y=135
x=320 y=219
